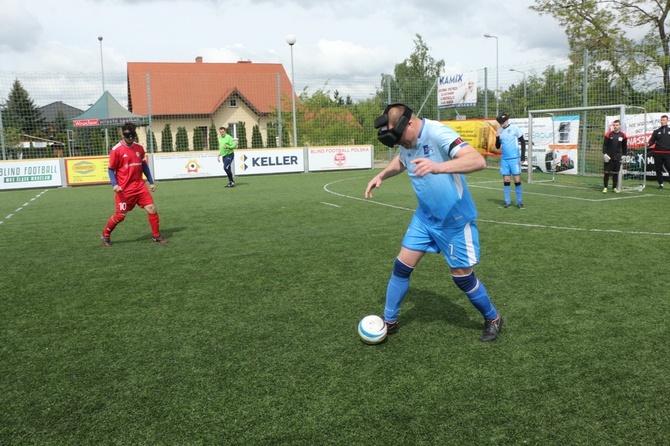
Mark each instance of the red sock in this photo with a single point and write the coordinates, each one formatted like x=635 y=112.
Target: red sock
x=111 y=224
x=153 y=221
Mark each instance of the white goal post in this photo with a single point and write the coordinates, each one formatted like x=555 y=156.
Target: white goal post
x=577 y=152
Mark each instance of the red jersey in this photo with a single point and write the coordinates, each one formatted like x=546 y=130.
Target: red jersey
x=126 y=162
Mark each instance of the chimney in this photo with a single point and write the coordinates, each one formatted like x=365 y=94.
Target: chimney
x=198 y=59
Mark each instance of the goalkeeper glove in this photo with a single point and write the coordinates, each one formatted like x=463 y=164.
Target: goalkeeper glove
x=606 y=158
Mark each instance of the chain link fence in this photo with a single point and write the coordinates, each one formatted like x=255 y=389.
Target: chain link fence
x=330 y=110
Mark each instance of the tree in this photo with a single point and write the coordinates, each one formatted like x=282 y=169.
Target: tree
x=98 y=142
x=31 y=152
x=602 y=27
x=20 y=112
x=272 y=136
x=152 y=146
x=256 y=138
x=182 y=140
x=413 y=81
x=365 y=112
x=166 y=139
x=285 y=136
x=13 y=141
x=241 y=135
x=213 y=139
x=59 y=134
x=198 y=140
x=324 y=122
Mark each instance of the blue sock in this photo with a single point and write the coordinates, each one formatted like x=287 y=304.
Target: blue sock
x=506 y=192
x=477 y=294
x=396 y=290
x=519 y=193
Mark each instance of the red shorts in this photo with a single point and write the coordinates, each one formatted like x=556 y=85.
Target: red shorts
x=126 y=203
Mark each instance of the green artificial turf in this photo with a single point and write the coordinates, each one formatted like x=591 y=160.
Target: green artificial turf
x=242 y=329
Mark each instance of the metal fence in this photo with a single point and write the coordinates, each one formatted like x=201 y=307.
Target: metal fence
x=331 y=109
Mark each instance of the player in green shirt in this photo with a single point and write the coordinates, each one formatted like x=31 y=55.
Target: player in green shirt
x=227 y=147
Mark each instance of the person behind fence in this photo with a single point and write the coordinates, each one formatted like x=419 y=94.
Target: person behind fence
x=435 y=157
x=659 y=142
x=510 y=138
x=227 y=146
x=127 y=163
x=615 y=146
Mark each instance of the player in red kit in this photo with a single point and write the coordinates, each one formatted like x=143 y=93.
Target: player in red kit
x=126 y=166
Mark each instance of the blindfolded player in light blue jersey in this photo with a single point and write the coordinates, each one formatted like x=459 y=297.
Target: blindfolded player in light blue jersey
x=435 y=158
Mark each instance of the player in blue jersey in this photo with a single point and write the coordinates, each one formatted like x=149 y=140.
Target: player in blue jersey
x=510 y=138
x=435 y=158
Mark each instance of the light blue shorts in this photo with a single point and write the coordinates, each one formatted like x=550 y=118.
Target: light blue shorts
x=510 y=166
x=459 y=245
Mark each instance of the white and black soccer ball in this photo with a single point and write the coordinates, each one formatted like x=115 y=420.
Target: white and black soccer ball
x=372 y=329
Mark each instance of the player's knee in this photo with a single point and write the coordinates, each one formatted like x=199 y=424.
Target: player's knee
x=506 y=183
x=466 y=283
x=401 y=270
x=150 y=208
x=118 y=218
x=517 y=184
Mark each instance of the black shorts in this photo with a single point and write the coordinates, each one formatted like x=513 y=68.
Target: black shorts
x=612 y=166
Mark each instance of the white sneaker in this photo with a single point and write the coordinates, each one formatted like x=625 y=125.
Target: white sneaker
x=605 y=191
x=617 y=191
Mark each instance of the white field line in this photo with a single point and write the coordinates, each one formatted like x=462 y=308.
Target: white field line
x=8 y=216
x=524 y=225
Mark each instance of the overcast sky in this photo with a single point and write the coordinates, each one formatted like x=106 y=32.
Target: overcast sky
x=334 y=38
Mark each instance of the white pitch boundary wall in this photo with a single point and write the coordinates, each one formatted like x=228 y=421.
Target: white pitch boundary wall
x=52 y=172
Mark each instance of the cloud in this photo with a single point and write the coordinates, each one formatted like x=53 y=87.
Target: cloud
x=341 y=57
x=19 y=29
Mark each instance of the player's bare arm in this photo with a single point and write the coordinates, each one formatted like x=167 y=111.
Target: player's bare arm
x=394 y=168
x=466 y=160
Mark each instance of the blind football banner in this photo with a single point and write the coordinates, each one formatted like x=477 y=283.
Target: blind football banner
x=24 y=174
x=339 y=158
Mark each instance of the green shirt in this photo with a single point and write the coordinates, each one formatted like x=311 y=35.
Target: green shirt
x=226 y=145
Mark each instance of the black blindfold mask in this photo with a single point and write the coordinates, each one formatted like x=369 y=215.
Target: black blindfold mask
x=391 y=137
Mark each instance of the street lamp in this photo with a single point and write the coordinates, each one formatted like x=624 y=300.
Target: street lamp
x=102 y=67
x=489 y=36
x=290 y=39
x=525 y=92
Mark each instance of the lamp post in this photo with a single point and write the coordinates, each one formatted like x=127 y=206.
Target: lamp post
x=102 y=67
x=525 y=92
x=290 y=39
x=489 y=36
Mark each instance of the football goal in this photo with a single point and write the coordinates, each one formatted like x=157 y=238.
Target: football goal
x=565 y=145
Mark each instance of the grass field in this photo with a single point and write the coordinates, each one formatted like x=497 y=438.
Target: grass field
x=242 y=330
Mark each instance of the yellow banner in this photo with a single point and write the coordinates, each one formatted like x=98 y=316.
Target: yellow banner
x=480 y=133
x=90 y=170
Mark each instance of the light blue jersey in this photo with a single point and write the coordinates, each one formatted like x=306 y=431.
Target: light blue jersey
x=444 y=199
x=509 y=141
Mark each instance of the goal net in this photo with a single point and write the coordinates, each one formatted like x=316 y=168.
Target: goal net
x=565 y=145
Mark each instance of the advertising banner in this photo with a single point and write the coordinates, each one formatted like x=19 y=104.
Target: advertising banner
x=87 y=170
x=555 y=143
x=339 y=158
x=457 y=90
x=479 y=133
x=25 y=174
x=638 y=131
x=181 y=165
x=263 y=161
x=555 y=140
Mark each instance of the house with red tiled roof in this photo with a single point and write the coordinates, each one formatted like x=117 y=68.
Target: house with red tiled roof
x=195 y=95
